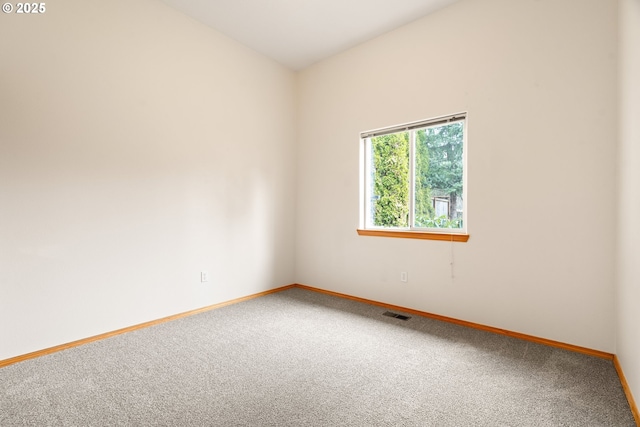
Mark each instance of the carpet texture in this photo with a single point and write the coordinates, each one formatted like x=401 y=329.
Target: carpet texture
x=301 y=358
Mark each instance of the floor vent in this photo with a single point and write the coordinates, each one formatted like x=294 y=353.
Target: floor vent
x=396 y=315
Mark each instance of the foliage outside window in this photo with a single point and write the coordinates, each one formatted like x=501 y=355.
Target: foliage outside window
x=414 y=176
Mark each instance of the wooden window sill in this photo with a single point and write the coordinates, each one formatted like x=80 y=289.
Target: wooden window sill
x=425 y=235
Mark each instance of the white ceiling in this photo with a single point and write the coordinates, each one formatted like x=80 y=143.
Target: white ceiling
x=298 y=33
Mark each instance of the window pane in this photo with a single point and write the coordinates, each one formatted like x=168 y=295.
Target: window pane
x=438 y=176
x=389 y=180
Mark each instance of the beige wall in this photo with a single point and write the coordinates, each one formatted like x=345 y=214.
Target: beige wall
x=628 y=343
x=538 y=80
x=137 y=148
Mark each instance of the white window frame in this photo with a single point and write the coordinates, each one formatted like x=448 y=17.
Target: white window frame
x=454 y=234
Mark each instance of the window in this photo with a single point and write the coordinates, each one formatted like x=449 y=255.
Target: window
x=413 y=180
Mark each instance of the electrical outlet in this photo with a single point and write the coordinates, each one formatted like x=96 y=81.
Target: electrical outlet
x=404 y=277
x=204 y=276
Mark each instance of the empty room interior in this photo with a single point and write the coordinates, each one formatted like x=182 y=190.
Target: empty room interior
x=153 y=162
